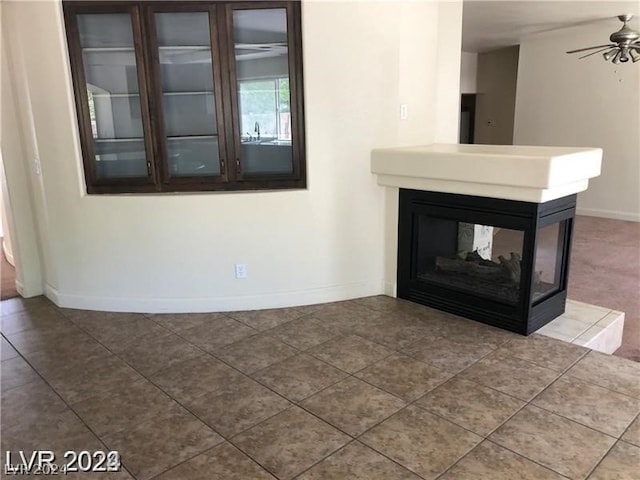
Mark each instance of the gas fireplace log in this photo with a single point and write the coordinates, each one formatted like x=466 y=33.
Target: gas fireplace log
x=511 y=266
x=476 y=266
x=471 y=268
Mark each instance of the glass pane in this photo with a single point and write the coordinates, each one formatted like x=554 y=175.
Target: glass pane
x=548 y=259
x=189 y=156
x=189 y=104
x=262 y=69
x=112 y=87
x=479 y=259
x=120 y=158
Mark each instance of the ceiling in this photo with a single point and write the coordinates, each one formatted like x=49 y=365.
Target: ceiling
x=490 y=25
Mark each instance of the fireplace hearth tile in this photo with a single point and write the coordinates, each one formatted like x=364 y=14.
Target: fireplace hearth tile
x=584 y=312
x=544 y=351
x=510 y=375
x=596 y=407
x=557 y=443
x=589 y=326
x=606 y=335
x=470 y=405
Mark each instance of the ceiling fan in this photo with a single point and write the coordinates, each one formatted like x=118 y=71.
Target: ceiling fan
x=625 y=44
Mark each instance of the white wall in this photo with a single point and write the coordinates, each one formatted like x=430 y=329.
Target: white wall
x=437 y=78
x=20 y=186
x=468 y=72
x=176 y=252
x=592 y=103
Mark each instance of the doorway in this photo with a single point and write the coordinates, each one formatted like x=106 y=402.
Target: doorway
x=7 y=264
x=467 y=117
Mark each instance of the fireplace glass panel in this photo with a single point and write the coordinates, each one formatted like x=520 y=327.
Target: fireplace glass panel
x=483 y=260
x=548 y=260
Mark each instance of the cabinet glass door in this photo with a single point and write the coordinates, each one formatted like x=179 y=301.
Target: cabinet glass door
x=188 y=94
x=262 y=81
x=111 y=75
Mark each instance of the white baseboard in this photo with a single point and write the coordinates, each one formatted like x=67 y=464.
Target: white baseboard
x=390 y=289
x=615 y=215
x=28 y=290
x=214 y=304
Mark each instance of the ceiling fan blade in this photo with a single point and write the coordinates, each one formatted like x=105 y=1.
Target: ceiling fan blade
x=593 y=53
x=611 y=45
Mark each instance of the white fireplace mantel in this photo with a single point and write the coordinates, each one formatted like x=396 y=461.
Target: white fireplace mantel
x=526 y=173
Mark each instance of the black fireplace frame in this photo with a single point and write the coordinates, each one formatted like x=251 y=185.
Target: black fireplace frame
x=527 y=315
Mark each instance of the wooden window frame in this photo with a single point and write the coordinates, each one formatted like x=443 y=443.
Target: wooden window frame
x=158 y=180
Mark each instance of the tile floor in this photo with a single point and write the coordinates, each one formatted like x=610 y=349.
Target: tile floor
x=374 y=388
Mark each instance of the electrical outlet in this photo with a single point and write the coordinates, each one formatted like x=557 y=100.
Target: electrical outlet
x=404 y=111
x=241 y=270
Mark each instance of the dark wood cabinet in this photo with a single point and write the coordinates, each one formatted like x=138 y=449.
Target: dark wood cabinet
x=188 y=96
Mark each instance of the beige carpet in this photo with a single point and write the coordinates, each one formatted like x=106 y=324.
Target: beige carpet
x=605 y=271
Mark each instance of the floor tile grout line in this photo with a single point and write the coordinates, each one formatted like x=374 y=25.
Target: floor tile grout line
x=251 y=376
x=184 y=406
x=359 y=439
x=356 y=440
x=526 y=457
x=311 y=412
x=98 y=437
x=484 y=436
x=213 y=355
x=202 y=453
x=560 y=374
x=297 y=403
x=636 y=418
x=575 y=421
x=602 y=386
x=459 y=459
x=157 y=386
x=529 y=458
x=351 y=439
x=606 y=454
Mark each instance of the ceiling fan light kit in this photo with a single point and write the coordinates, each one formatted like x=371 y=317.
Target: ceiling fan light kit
x=625 y=46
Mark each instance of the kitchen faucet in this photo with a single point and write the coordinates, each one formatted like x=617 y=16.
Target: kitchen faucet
x=257 y=129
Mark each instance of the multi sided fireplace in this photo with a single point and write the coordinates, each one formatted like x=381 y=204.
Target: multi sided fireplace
x=501 y=262
x=483 y=231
